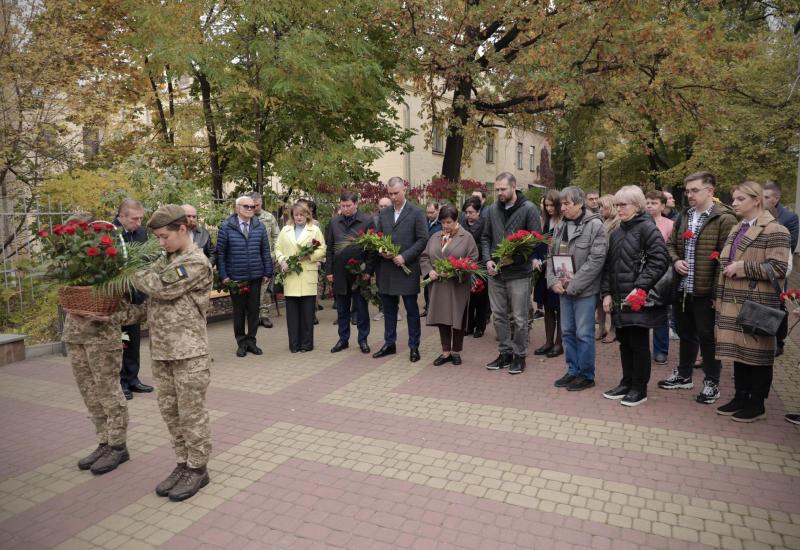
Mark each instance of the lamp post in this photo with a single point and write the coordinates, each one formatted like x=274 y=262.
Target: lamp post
x=601 y=156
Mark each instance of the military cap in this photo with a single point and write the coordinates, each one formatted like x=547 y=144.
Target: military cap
x=165 y=215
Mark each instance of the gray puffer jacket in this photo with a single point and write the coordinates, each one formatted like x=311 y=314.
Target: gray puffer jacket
x=588 y=247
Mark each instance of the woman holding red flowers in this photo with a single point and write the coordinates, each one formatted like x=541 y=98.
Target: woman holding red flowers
x=755 y=247
x=637 y=258
x=300 y=289
x=448 y=298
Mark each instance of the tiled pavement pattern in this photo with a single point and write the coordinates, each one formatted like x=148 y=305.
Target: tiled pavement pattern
x=326 y=451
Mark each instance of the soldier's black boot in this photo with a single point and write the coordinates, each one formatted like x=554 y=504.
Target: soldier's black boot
x=191 y=481
x=113 y=456
x=163 y=488
x=86 y=462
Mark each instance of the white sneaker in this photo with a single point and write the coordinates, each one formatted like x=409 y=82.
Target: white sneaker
x=673 y=335
x=378 y=316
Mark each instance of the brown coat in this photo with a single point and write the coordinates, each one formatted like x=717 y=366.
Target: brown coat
x=765 y=241
x=448 y=298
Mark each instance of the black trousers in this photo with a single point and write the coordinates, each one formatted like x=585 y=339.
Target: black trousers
x=634 y=350
x=246 y=314
x=694 y=319
x=300 y=311
x=478 y=311
x=752 y=382
x=129 y=373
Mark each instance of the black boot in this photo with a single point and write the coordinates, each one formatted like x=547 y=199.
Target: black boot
x=191 y=481
x=163 y=488
x=735 y=405
x=86 y=462
x=113 y=456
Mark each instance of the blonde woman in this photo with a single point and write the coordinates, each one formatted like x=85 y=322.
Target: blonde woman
x=755 y=246
x=300 y=289
x=605 y=326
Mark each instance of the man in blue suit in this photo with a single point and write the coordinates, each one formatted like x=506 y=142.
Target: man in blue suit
x=788 y=219
x=243 y=257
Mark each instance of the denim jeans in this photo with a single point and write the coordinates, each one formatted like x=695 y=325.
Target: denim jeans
x=577 y=327
x=661 y=340
x=509 y=301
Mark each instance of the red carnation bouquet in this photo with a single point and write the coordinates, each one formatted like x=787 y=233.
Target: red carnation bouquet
x=635 y=301
x=791 y=296
x=522 y=243
x=294 y=263
x=374 y=241
x=91 y=256
x=478 y=286
x=455 y=268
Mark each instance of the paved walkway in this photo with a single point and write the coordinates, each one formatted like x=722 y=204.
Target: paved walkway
x=320 y=451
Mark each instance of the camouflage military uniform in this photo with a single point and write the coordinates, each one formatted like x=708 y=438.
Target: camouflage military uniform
x=271 y=225
x=95 y=352
x=177 y=287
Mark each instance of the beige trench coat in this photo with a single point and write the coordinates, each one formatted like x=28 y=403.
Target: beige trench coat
x=448 y=298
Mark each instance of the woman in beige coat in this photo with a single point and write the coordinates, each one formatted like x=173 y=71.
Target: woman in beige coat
x=756 y=242
x=300 y=289
x=448 y=297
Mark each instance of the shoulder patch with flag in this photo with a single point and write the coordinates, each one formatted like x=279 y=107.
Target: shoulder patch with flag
x=174 y=274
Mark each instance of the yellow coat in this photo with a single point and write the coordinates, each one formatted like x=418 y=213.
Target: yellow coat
x=305 y=283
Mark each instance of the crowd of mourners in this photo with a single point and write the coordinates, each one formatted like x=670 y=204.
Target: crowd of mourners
x=628 y=268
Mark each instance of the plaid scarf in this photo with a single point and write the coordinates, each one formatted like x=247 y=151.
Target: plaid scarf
x=690 y=244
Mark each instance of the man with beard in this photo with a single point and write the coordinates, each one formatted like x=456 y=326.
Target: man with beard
x=199 y=235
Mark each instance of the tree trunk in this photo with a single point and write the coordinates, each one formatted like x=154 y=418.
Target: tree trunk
x=213 y=147
x=454 y=146
x=171 y=94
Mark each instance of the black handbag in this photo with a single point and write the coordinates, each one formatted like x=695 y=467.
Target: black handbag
x=758 y=319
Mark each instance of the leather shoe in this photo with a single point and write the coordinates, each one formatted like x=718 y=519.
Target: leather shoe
x=442 y=359
x=580 y=383
x=266 y=322
x=478 y=333
x=555 y=351
x=542 y=350
x=413 y=355
x=141 y=388
x=128 y=394
x=340 y=345
x=241 y=352
x=364 y=347
x=254 y=349
x=384 y=351
x=456 y=358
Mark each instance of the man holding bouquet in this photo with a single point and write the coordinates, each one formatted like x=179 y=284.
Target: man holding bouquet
x=347 y=224
x=509 y=285
x=398 y=275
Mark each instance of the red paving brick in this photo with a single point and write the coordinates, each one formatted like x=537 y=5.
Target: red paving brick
x=306 y=504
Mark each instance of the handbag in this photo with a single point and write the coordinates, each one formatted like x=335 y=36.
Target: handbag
x=758 y=319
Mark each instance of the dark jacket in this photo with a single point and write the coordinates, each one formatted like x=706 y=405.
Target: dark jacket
x=337 y=232
x=712 y=238
x=637 y=258
x=411 y=233
x=434 y=227
x=202 y=239
x=137 y=236
x=788 y=219
x=501 y=222
x=476 y=230
x=240 y=258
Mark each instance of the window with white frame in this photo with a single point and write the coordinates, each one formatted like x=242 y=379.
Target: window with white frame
x=532 y=158
x=489 y=147
x=519 y=155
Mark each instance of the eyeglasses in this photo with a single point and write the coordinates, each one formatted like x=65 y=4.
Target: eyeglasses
x=248 y=206
x=695 y=190
x=621 y=204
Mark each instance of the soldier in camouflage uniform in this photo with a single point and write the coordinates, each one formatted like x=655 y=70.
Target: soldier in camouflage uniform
x=272 y=227
x=177 y=286
x=95 y=352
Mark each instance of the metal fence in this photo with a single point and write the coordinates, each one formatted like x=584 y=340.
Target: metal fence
x=21 y=254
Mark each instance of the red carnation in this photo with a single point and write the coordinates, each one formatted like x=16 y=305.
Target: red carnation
x=110 y=226
x=83 y=225
x=111 y=251
x=380 y=233
x=688 y=234
x=98 y=227
x=73 y=222
x=69 y=230
x=58 y=229
x=244 y=290
x=316 y=243
x=360 y=232
x=714 y=255
x=371 y=231
x=43 y=233
x=474 y=266
x=353 y=261
x=105 y=240
x=92 y=251
x=637 y=300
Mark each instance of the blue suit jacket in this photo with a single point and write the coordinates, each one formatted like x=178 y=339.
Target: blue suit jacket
x=789 y=220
